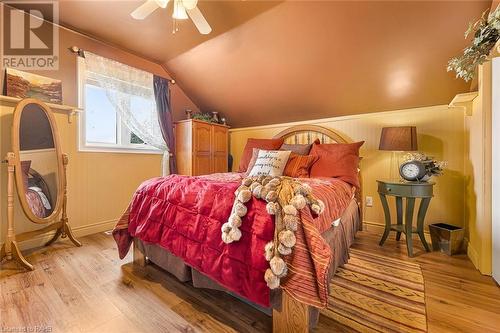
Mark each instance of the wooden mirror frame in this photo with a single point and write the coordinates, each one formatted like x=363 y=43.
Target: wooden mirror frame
x=21 y=191
x=10 y=248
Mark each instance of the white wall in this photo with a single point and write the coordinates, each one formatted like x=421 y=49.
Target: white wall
x=496 y=167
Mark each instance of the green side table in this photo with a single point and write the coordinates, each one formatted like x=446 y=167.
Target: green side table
x=410 y=191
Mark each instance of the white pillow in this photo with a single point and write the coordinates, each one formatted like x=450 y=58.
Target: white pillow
x=270 y=163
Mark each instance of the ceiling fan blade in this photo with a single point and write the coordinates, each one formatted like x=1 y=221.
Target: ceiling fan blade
x=145 y=9
x=189 y=4
x=199 y=21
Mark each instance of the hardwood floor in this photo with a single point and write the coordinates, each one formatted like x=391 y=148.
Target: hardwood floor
x=88 y=290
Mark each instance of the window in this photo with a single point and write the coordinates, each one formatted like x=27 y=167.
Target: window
x=116 y=99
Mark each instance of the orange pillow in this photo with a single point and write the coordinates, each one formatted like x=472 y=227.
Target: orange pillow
x=255 y=154
x=298 y=165
x=339 y=160
x=266 y=144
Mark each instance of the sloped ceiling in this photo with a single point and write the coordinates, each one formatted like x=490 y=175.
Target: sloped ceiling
x=110 y=21
x=270 y=62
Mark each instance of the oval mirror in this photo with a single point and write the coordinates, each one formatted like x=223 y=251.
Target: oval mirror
x=38 y=161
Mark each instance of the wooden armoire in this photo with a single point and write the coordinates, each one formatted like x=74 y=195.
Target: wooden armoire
x=201 y=148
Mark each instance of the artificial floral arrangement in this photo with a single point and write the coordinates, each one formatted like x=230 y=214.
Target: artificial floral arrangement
x=285 y=197
x=486 y=34
x=204 y=116
x=432 y=166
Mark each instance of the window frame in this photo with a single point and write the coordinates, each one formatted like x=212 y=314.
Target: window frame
x=121 y=130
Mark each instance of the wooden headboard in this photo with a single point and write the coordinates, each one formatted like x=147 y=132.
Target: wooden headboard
x=307 y=134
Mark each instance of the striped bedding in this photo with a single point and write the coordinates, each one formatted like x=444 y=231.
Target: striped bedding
x=308 y=266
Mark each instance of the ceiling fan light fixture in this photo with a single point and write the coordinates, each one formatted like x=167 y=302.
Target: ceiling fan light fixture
x=162 y=3
x=189 y=4
x=179 y=11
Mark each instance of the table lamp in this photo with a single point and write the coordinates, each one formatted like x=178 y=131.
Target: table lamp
x=398 y=139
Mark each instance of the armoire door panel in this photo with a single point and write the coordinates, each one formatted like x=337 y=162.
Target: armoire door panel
x=202 y=164
x=220 y=139
x=220 y=163
x=203 y=138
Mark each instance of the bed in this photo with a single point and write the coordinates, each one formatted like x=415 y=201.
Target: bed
x=186 y=252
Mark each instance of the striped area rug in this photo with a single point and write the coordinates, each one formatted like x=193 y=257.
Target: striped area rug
x=374 y=293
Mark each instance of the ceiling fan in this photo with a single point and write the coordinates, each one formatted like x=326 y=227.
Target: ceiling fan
x=183 y=9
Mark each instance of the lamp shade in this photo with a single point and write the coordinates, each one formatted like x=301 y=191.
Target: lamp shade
x=403 y=138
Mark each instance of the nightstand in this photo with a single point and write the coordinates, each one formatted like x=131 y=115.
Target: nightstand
x=410 y=191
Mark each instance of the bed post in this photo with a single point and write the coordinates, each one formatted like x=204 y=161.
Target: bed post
x=359 y=200
x=138 y=257
x=293 y=316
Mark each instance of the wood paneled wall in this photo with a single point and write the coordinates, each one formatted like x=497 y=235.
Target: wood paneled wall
x=440 y=134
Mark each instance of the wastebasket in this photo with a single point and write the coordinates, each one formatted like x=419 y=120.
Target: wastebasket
x=446 y=238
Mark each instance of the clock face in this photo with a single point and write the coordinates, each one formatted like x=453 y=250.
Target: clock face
x=410 y=171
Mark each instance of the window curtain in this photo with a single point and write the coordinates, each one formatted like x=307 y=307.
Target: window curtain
x=163 y=106
x=125 y=85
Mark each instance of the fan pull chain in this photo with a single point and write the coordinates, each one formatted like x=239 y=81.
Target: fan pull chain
x=175 y=26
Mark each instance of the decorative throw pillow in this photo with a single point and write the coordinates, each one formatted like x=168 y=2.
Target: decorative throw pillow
x=268 y=144
x=300 y=149
x=270 y=163
x=298 y=165
x=339 y=160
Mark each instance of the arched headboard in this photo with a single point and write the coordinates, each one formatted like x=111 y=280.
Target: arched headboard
x=307 y=134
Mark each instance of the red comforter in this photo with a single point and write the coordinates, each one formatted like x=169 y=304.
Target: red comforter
x=184 y=215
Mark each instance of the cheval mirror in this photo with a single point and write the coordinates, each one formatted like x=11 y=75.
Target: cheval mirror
x=39 y=168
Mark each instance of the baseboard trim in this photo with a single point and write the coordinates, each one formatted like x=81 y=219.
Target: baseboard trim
x=373 y=226
x=94 y=228
x=472 y=254
x=79 y=231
